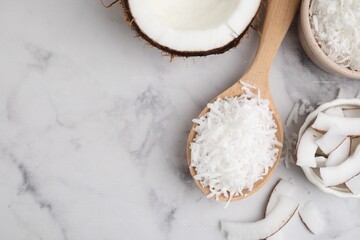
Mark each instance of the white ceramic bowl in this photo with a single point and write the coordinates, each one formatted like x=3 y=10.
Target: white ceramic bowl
x=313 y=50
x=314 y=176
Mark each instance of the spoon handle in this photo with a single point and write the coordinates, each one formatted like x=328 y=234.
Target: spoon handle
x=278 y=17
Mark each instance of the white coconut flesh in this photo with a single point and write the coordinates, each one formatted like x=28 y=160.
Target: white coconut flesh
x=333 y=176
x=192 y=26
x=307 y=148
x=312 y=218
x=340 y=154
x=275 y=221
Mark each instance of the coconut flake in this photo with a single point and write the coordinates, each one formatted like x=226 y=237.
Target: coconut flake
x=235 y=145
x=335 y=24
x=275 y=221
x=311 y=218
x=333 y=176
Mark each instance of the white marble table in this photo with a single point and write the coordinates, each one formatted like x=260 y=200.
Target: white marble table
x=93 y=127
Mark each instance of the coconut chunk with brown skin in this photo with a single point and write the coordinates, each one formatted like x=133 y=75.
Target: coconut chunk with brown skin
x=307 y=148
x=275 y=221
x=333 y=176
x=354 y=184
x=331 y=140
x=346 y=126
x=311 y=218
x=340 y=154
x=191 y=28
x=282 y=188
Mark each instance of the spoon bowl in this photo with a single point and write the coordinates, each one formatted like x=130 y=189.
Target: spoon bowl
x=278 y=18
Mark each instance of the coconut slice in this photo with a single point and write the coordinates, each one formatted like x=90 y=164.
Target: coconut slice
x=282 y=188
x=334 y=111
x=331 y=140
x=191 y=28
x=347 y=126
x=354 y=184
x=333 y=176
x=352 y=113
x=340 y=154
x=277 y=219
x=307 y=148
x=311 y=218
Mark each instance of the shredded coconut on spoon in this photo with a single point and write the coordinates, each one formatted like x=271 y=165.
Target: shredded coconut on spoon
x=235 y=145
x=335 y=24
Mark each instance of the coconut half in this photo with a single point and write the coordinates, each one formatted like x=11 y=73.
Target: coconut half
x=276 y=220
x=191 y=28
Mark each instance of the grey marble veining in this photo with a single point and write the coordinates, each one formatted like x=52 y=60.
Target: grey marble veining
x=93 y=128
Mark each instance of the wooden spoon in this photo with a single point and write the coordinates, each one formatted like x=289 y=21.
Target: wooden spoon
x=278 y=17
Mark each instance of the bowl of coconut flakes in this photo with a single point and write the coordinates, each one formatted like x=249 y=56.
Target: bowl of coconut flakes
x=329 y=33
x=328 y=149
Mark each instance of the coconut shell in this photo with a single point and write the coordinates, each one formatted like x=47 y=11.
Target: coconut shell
x=172 y=52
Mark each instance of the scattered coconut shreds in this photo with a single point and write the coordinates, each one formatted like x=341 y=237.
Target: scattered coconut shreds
x=274 y=222
x=300 y=109
x=311 y=218
x=335 y=24
x=235 y=145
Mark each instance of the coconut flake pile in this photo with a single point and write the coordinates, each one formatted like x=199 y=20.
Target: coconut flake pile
x=336 y=27
x=235 y=144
